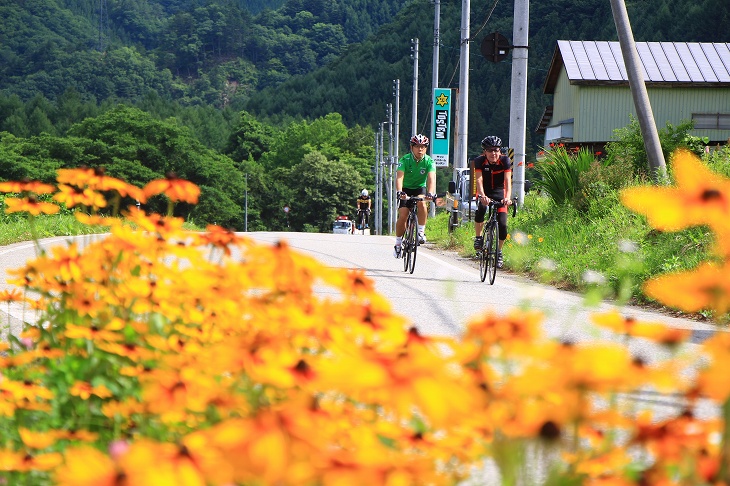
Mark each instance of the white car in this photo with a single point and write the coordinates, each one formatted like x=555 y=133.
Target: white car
x=342 y=226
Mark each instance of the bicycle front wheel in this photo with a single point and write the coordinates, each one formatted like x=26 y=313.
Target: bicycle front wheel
x=491 y=245
x=409 y=244
x=406 y=245
x=414 y=248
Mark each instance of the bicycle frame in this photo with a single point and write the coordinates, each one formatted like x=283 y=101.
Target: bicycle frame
x=410 y=241
x=490 y=247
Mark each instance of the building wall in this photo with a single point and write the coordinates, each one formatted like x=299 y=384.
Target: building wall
x=598 y=110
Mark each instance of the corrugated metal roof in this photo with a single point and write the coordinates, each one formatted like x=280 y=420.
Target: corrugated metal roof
x=601 y=62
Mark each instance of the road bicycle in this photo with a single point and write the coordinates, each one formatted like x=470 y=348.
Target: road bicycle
x=410 y=242
x=489 y=251
x=362 y=219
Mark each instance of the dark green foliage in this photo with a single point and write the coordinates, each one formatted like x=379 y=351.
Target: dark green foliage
x=597 y=183
x=628 y=148
x=320 y=190
x=249 y=140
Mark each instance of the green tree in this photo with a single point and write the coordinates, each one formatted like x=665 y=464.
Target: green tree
x=321 y=189
x=250 y=139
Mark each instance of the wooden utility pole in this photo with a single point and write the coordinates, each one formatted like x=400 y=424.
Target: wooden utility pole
x=635 y=74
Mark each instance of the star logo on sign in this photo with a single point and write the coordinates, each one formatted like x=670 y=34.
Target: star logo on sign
x=442 y=100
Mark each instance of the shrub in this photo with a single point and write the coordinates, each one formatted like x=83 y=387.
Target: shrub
x=598 y=182
x=560 y=171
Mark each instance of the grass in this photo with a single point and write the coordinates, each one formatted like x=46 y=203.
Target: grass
x=46 y=226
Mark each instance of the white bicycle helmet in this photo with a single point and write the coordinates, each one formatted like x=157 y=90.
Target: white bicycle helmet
x=364 y=193
x=419 y=140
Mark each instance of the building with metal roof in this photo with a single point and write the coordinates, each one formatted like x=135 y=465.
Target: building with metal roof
x=591 y=95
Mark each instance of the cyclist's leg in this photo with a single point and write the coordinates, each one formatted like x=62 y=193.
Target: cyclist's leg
x=502 y=226
x=479 y=225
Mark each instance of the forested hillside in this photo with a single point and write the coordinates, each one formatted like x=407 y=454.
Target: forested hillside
x=196 y=52
x=359 y=84
x=277 y=99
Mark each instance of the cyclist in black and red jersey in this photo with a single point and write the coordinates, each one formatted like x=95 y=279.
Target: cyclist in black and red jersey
x=493 y=177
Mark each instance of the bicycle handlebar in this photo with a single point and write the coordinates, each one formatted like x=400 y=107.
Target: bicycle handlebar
x=427 y=197
x=499 y=204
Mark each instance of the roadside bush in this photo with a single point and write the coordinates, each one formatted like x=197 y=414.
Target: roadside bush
x=628 y=147
x=599 y=181
x=560 y=172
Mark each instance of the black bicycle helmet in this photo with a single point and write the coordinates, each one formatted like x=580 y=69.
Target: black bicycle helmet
x=491 y=141
x=419 y=140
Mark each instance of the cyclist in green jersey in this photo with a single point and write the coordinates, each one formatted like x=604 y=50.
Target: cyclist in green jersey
x=415 y=176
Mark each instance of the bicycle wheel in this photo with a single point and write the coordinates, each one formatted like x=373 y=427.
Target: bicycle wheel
x=482 y=253
x=414 y=245
x=361 y=222
x=491 y=249
x=406 y=245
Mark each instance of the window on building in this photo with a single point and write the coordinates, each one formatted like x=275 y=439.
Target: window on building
x=711 y=121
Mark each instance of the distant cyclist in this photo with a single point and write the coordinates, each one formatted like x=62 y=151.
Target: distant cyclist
x=415 y=176
x=493 y=176
x=364 y=204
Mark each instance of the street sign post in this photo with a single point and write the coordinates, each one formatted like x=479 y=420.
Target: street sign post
x=441 y=126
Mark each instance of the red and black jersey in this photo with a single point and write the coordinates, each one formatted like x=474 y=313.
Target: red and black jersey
x=494 y=175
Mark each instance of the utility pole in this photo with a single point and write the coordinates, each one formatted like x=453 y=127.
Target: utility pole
x=639 y=93
x=463 y=102
x=436 y=44
x=377 y=195
x=435 y=76
x=518 y=101
x=245 y=205
x=390 y=168
x=392 y=211
x=414 y=56
x=396 y=94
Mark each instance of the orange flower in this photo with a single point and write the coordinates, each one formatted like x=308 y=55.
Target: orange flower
x=87 y=466
x=174 y=188
x=73 y=195
x=26 y=186
x=13 y=295
x=655 y=331
x=700 y=197
x=37 y=440
x=84 y=390
x=706 y=287
x=30 y=204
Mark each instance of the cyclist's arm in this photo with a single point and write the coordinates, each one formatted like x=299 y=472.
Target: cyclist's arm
x=431 y=183
x=508 y=187
x=399 y=180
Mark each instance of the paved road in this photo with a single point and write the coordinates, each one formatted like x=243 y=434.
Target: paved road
x=444 y=291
